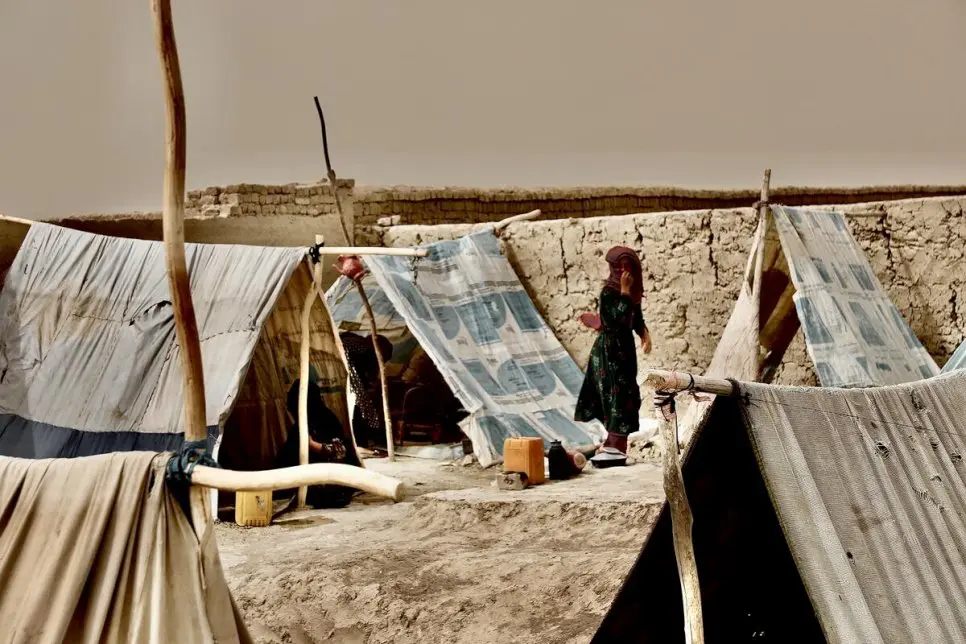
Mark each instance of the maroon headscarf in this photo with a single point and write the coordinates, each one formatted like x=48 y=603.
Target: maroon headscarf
x=622 y=258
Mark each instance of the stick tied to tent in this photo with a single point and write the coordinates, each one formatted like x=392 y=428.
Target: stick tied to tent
x=672 y=382
x=330 y=173
x=186 y=324
x=682 y=520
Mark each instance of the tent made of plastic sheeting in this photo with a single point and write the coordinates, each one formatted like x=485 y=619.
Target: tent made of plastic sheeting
x=819 y=515
x=854 y=333
x=89 y=357
x=466 y=307
x=97 y=549
x=957 y=360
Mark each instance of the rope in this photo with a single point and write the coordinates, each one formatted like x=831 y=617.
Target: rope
x=192 y=453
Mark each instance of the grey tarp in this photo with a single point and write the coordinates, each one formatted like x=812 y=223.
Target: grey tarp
x=835 y=510
x=88 y=355
x=96 y=549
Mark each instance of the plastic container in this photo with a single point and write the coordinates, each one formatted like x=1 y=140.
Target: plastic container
x=253 y=509
x=559 y=465
x=525 y=454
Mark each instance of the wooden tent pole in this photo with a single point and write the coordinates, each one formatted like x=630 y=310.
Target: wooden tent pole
x=374 y=333
x=374 y=329
x=675 y=381
x=304 y=354
x=186 y=325
x=372 y=250
x=316 y=275
x=681 y=524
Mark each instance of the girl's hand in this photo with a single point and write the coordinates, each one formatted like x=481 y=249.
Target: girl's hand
x=646 y=342
x=627 y=280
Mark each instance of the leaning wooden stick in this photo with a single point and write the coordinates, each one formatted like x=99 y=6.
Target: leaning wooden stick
x=374 y=333
x=527 y=216
x=681 y=522
x=186 y=325
x=374 y=329
x=330 y=173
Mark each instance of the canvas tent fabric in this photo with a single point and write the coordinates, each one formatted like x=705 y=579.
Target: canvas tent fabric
x=89 y=357
x=854 y=334
x=466 y=307
x=831 y=511
x=96 y=549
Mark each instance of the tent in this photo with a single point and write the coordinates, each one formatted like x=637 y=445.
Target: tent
x=464 y=304
x=819 y=515
x=89 y=359
x=806 y=270
x=957 y=360
x=96 y=545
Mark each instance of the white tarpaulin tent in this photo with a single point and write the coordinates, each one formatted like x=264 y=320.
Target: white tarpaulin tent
x=855 y=335
x=466 y=307
x=89 y=359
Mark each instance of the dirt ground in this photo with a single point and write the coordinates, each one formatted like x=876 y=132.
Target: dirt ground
x=458 y=561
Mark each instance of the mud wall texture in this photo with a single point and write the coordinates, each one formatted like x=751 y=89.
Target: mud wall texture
x=694 y=260
x=694 y=257
x=377 y=208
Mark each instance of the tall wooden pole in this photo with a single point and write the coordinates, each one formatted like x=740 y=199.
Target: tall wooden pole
x=681 y=522
x=186 y=326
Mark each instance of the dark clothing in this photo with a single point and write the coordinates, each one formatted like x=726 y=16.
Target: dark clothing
x=367 y=417
x=324 y=428
x=610 y=392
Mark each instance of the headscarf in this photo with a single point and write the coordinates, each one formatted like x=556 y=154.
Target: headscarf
x=619 y=257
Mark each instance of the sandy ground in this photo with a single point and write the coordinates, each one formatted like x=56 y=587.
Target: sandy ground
x=459 y=561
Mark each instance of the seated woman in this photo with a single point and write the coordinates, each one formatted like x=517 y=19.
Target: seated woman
x=327 y=444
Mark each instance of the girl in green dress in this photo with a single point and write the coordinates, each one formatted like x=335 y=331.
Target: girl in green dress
x=610 y=392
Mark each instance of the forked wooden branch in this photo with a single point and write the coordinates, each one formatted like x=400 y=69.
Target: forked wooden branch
x=288 y=477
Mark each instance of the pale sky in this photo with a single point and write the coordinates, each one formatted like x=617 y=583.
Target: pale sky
x=696 y=93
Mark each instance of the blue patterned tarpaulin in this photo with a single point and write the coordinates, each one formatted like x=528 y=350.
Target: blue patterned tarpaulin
x=470 y=313
x=957 y=360
x=855 y=335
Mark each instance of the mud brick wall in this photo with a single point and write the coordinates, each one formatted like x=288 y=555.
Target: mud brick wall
x=694 y=261
x=377 y=208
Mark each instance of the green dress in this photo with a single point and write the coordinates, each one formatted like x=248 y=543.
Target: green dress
x=610 y=392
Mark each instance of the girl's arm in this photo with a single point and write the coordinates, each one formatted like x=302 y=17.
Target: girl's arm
x=640 y=328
